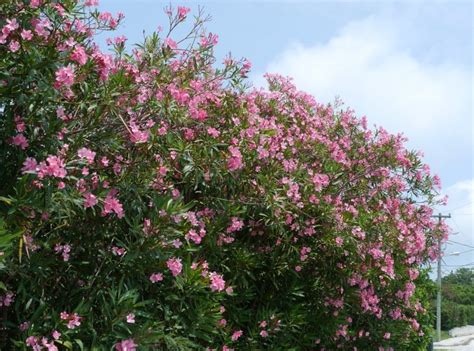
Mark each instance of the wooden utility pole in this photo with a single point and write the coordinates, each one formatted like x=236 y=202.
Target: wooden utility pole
x=438 y=298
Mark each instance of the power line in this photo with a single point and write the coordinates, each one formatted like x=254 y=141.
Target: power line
x=459 y=207
x=459 y=265
x=458 y=243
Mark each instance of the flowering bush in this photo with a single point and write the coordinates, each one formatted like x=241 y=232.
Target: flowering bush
x=151 y=200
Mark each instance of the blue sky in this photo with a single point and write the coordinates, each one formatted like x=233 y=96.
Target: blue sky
x=406 y=65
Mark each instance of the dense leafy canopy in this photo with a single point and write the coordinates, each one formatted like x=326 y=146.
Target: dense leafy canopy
x=457 y=299
x=152 y=200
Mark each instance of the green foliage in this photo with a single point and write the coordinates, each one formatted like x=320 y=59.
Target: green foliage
x=151 y=200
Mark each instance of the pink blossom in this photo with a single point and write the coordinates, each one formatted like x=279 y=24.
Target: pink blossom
x=7 y=299
x=73 y=319
x=235 y=161
x=174 y=265
x=320 y=181
x=87 y=154
x=32 y=341
x=194 y=236
x=56 y=335
x=26 y=34
x=156 y=277
x=20 y=140
x=236 y=225
x=90 y=200
x=263 y=333
x=112 y=204
x=182 y=12
x=14 y=46
x=65 y=77
x=54 y=167
x=213 y=132
x=217 y=281
x=35 y=3
x=130 y=318
x=118 y=251
x=236 y=335
x=170 y=43
x=10 y=26
x=24 y=326
x=79 y=55
x=29 y=165
x=49 y=345
x=339 y=241
x=126 y=345
x=91 y=3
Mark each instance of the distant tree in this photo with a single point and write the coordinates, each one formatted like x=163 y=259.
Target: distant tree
x=458 y=299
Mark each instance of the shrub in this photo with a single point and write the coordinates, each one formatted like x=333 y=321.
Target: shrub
x=152 y=200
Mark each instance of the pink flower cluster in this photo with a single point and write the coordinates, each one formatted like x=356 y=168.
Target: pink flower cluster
x=64 y=250
x=126 y=345
x=175 y=266
x=73 y=319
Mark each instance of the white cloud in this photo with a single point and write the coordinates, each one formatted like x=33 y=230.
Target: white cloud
x=366 y=65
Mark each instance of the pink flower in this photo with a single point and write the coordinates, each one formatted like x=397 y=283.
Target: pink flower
x=170 y=43
x=24 y=326
x=156 y=277
x=235 y=161
x=35 y=3
x=54 y=167
x=213 y=132
x=320 y=181
x=10 y=26
x=182 y=12
x=91 y=3
x=217 y=282
x=26 y=34
x=236 y=225
x=90 y=200
x=263 y=333
x=130 y=318
x=56 y=335
x=32 y=341
x=174 y=265
x=7 y=299
x=386 y=336
x=65 y=77
x=112 y=204
x=74 y=320
x=339 y=241
x=118 y=251
x=14 y=46
x=194 y=236
x=49 y=345
x=20 y=140
x=42 y=27
x=126 y=345
x=29 y=165
x=87 y=154
x=236 y=335
x=79 y=55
